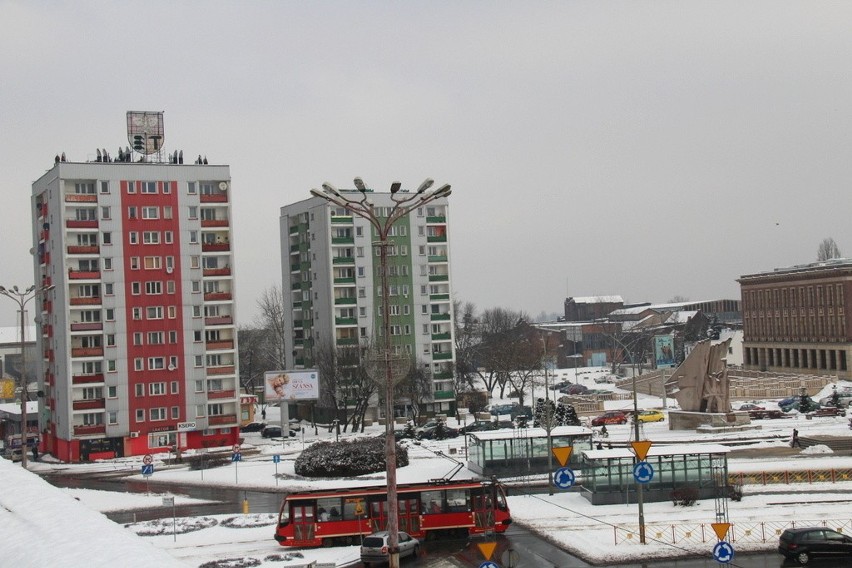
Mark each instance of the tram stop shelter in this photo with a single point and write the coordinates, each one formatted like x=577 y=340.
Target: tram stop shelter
x=522 y=451
x=607 y=475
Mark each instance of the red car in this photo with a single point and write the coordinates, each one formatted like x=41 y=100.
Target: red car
x=611 y=417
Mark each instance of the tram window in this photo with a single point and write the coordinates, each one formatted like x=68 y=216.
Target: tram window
x=354 y=509
x=457 y=500
x=432 y=501
x=328 y=509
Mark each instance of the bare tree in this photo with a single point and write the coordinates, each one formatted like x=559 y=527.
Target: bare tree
x=271 y=320
x=345 y=387
x=500 y=347
x=466 y=337
x=828 y=249
x=416 y=387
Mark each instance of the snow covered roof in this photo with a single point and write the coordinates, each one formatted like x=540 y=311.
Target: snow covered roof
x=673 y=450
x=596 y=299
x=14 y=408
x=12 y=335
x=509 y=433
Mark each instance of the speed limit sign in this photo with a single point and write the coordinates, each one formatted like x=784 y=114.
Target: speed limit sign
x=148 y=459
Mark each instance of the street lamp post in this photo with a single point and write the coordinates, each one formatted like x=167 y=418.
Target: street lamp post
x=403 y=203
x=22 y=298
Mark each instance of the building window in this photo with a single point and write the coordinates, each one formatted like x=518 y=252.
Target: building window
x=157 y=364
x=105 y=213
x=153 y=262
x=112 y=417
x=150 y=212
x=140 y=390
x=107 y=261
x=190 y=188
x=169 y=237
x=110 y=340
x=137 y=313
x=151 y=237
x=139 y=364
x=153 y=288
x=170 y=287
x=195 y=262
x=155 y=338
x=133 y=237
x=137 y=338
x=175 y=413
x=111 y=365
x=199 y=386
x=104 y=187
x=193 y=212
x=140 y=415
x=199 y=361
x=199 y=410
x=131 y=212
x=135 y=288
x=172 y=337
x=131 y=187
x=193 y=237
x=175 y=387
x=110 y=314
x=148 y=187
x=157 y=389
x=134 y=263
x=158 y=414
x=172 y=312
x=154 y=312
x=167 y=212
x=112 y=392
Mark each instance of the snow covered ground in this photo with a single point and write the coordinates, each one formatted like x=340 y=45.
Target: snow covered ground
x=29 y=507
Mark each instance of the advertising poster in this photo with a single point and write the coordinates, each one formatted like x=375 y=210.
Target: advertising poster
x=291 y=385
x=664 y=351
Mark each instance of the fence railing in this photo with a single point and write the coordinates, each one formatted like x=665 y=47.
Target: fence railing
x=700 y=533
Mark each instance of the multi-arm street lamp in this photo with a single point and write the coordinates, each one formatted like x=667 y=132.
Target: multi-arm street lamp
x=403 y=203
x=22 y=298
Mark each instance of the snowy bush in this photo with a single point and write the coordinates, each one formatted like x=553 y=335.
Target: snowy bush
x=347 y=458
x=685 y=496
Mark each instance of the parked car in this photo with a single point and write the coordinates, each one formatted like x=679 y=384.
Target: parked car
x=429 y=430
x=809 y=405
x=519 y=411
x=374 y=548
x=750 y=406
x=274 y=432
x=574 y=389
x=253 y=427
x=560 y=385
x=498 y=409
x=843 y=400
x=609 y=379
x=479 y=426
x=651 y=416
x=803 y=544
x=610 y=417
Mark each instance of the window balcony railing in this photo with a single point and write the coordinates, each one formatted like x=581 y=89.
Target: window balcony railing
x=437 y=219
x=83 y=249
x=94 y=301
x=441 y=356
x=439 y=278
x=81 y=198
x=217 y=296
x=215 y=247
x=222 y=420
x=87 y=351
x=438 y=297
x=440 y=317
x=441 y=336
x=344 y=280
x=214 y=222
x=220 y=345
x=84 y=430
x=343 y=260
x=347 y=341
x=87 y=379
x=443 y=395
x=341 y=219
x=436 y=239
x=81 y=223
x=225 y=271
x=94 y=404
x=223 y=370
x=442 y=376
x=221 y=394
x=343 y=240
x=438 y=258
x=213 y=198
x=89 y=326
x=219 y=320
x=346 y=321
x=345 y=301
x=84 y=275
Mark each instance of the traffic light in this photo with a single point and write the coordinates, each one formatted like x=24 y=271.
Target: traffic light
x=139 y=143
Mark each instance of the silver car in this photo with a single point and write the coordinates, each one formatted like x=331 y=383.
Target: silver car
x=374 y=548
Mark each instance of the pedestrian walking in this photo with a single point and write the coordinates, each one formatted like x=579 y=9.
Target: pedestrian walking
x=263 y=414
x=795 y=440
x=35 y=452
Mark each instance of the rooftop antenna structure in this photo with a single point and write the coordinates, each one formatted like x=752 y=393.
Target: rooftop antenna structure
x=145 y=133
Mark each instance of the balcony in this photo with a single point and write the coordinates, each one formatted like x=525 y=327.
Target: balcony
x=436 y=239
x=217 y=296
x=345 y=301
x=347 y=341
x=438 y=258
x=345 y=321
x=87 y=351
x=80 y=249
x=341 y=219
x=88 y=326
x=441 y=356
x=221 y=394
x=222 y=420
x=81 y=224
x=95 y=404
x=224 y=370
x=85 y=301
x=217 y=271
x=213 y=198
x=219 y=320
x=87 y=379
x=344 y=280
x=442 y=376
x=436 y=219
x=343 y=240
x=81 y=198
x=215 y=247
x=443 y=395
x=219 y=345
x=92 y=430
x=440 y=317
x=214 y=222
x=84 y=274
x=343 y=260
x=439 y=278
x=441 y=336
x=438 y=297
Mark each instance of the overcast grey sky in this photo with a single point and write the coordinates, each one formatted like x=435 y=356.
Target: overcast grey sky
x=647 y=149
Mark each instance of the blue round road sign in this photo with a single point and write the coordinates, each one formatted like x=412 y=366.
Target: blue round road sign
x=563 y=478
x=643 y=472
x=488 y=564
x=723 y=552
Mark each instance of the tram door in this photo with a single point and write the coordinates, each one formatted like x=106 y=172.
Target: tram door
x=409 y=514
x=303 y=516
x=378 y=515
x=483 y=510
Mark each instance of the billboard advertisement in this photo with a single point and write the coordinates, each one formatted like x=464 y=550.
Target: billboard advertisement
x=291 y=385
x=664 y=351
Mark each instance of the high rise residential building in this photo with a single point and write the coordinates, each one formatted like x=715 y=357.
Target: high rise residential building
x=137 y=342
x=797 y=319
x=332 y=288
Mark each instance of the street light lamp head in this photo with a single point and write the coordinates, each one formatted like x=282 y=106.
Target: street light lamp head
x=15 y=288
x=360 y=185
x=330 y=189
x=317 y=193
x=395 y=186
x=427 y=183
x=443 y=191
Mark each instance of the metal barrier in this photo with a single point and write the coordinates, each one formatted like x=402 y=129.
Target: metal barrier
x=700 y=533
x=787 y=477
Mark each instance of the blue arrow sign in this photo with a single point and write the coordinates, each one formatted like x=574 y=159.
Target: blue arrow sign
x=564 y=478
x=276 y=458
x=723 y=552
x=235 y=457
x=488 y=564
x=643 y=472
x=147 y=469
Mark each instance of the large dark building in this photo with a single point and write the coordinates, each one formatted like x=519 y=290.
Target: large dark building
x=795 y=319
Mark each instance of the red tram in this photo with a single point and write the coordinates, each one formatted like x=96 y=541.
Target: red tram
x=340 y=516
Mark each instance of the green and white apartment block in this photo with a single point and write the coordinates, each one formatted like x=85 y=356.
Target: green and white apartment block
x=332 y=287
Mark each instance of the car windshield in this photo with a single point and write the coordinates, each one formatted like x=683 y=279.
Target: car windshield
x=374 y=542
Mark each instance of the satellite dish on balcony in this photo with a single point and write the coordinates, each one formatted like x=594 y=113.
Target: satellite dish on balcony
x=172 y=367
